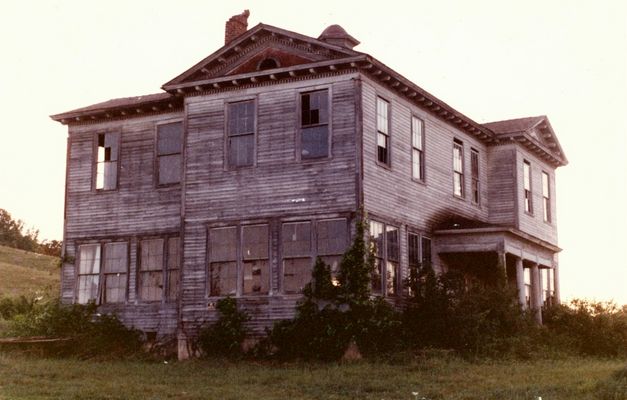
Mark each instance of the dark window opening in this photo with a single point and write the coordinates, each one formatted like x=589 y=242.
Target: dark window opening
x=314 y=140
x=383 y=131
x=107 y=161
x=268 y=63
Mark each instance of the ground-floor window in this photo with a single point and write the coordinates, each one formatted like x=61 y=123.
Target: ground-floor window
x=384 y=242
x=102 y=272
x=158 y=276
x=239 y=260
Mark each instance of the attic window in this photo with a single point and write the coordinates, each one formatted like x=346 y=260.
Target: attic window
x=267 y=63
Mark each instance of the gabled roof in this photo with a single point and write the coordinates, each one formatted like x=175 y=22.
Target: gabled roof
x=535 y=133
x=253 y=40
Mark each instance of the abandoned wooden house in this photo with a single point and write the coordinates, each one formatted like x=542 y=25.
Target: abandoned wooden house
x=256 y=160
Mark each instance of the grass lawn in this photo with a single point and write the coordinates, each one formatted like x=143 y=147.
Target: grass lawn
x=434 y=378
x=23 y=272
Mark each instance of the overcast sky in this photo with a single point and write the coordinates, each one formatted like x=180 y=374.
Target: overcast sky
x=489 y=59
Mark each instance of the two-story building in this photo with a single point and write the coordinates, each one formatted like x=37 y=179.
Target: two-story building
x=257 y=160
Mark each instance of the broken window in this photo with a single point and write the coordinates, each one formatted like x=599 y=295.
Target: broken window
x=383 y=131
x=239 y=260
x=88 y=273
x=241 y=133
x=256 y=271
x=546 y=196
x=417 y=153
x=151 y=269
x=115 y=269
x=474 y=173
x=458 y=168
x=297 y=260
x=314 y=139
x=169 y=145
x=527 y=186
x=223 y=261
x=107 y=161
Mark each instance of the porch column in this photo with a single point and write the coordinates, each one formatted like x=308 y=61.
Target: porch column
x=556 y=283
x=502 y=266
x=520 y=282
x=536 y=307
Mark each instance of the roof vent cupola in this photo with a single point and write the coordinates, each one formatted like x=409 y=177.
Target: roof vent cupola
x=336 y=35
x=236 y=26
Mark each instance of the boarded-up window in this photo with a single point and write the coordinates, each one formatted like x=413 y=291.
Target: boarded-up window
x=88 y=273
x=458 y=168
x=169 y=145
x=241 y=133
x=314 y=138
x=256 y=271
x=474 y=172
x=417 y=153
x=151 y=270
x=383 y=131
x=297 y=260
x=115 y=268
x=223 y=261
x=107 y=161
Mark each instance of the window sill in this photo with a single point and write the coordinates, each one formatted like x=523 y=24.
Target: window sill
x=387 y=167
x=419 y=181
x=168 y=185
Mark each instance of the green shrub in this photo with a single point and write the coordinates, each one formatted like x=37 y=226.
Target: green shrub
x=588 y=328
x=91 y=334
x=225 y=337
x=10 y=307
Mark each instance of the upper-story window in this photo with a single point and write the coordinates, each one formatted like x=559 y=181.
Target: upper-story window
x=527 y=186
x=383 y=131
x=239 y=260
x=474 y=172
x=169 y=145
x=241 y=133
x=458 y=168
x=546 y=196
x=314 y=132
x=102 y=272
x=107 y=161
x=417 y=151
x=385 y=242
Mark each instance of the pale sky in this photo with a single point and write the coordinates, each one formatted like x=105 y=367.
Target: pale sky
x=489 y=59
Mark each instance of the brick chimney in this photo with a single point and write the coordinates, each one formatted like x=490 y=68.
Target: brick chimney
x=236 y=26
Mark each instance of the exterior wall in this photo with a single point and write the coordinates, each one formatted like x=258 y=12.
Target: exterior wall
x=391 y=195
x=534 y=223
x=502 y=193
x=136 y=208
x=276 y=188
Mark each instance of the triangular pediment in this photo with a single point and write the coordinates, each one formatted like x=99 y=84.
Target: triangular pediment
x=262 y=47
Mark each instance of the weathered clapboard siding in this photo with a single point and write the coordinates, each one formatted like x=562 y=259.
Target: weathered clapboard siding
x=278 y=186
x=136 y=208
x=391 y=195
x=534 y=223
x=502 y=189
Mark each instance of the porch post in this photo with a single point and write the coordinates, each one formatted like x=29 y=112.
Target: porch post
x=520 y=282
x=536 y=307
x=556 y=283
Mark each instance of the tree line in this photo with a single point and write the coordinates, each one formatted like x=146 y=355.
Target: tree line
x=14 y=234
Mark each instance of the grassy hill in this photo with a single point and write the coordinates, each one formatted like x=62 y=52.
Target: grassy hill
x=23 y=272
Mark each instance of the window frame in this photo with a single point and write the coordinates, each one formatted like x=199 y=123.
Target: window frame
x=239 y=259
x=420 y=151
x=301 y=128
x=227 y=135
x=95 y=160
x=382 y=268
x=157 y=156
x=100 y=298
x=165 y=268
x=388 y=135
x=475 y=174
x=527 y=187
x=546 y=197
x=459 y=145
